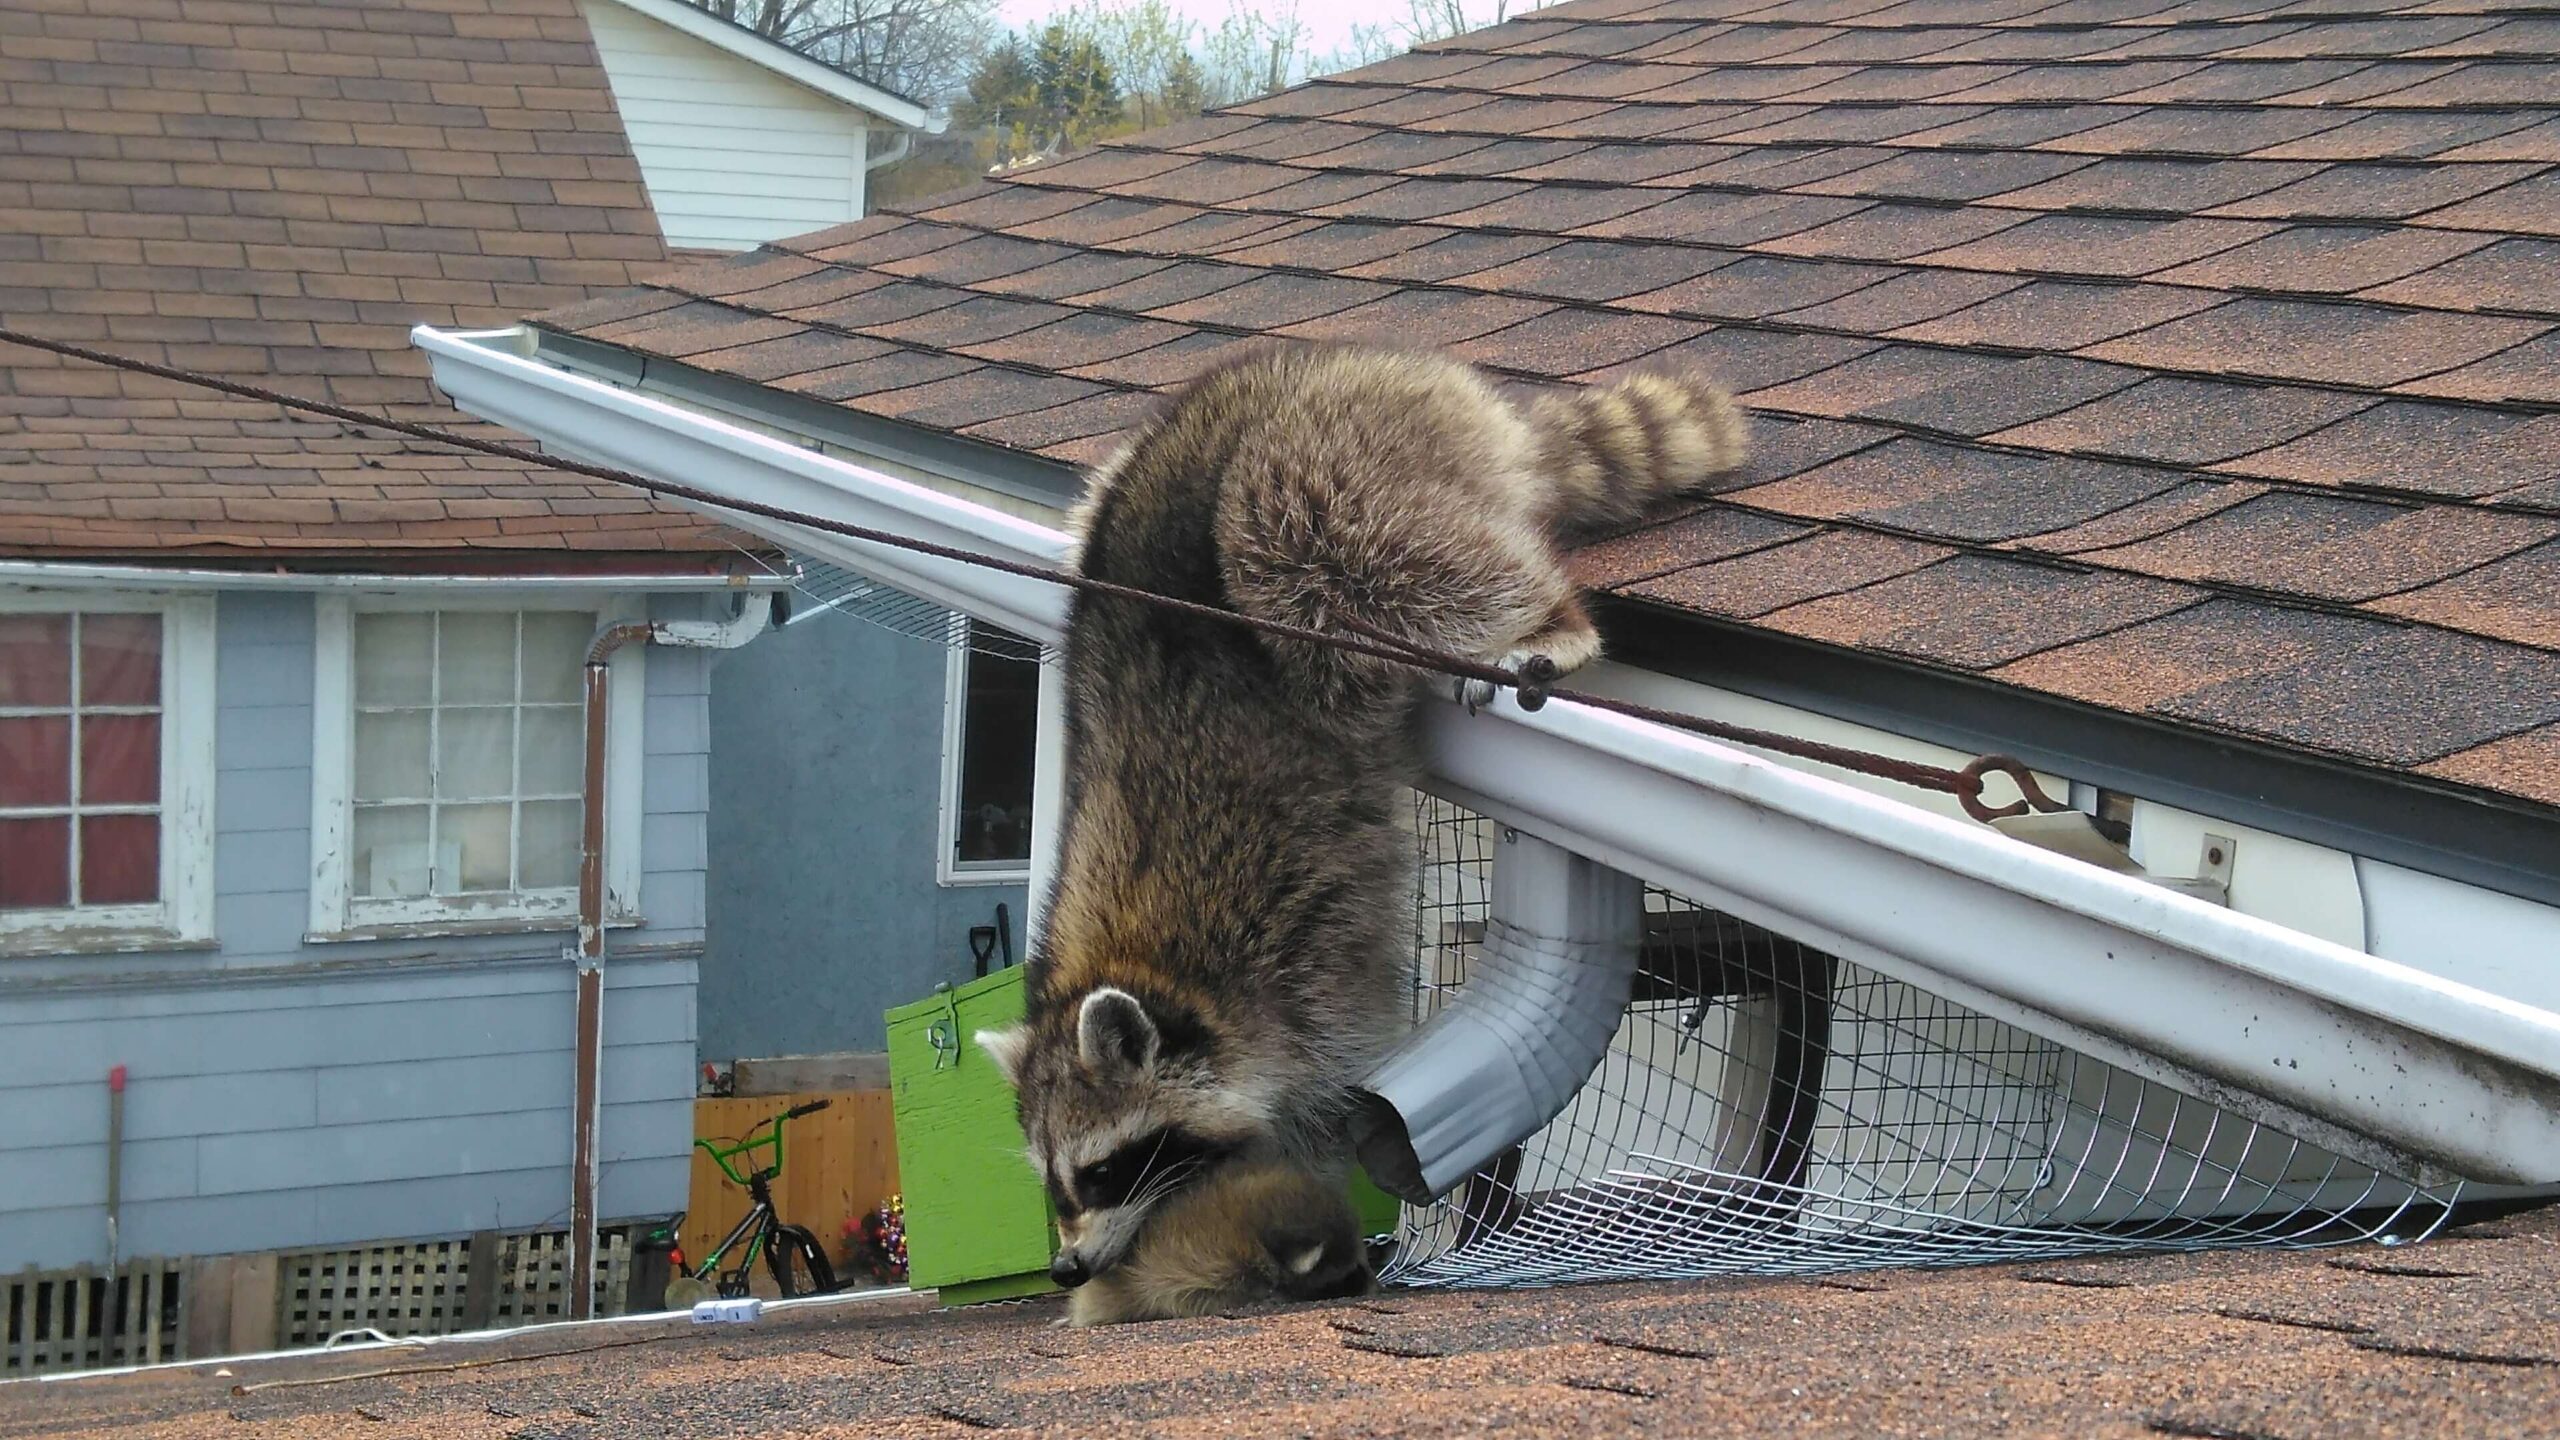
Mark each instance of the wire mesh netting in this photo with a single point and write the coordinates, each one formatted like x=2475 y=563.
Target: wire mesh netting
x=1768 y=1108
x=820 y=589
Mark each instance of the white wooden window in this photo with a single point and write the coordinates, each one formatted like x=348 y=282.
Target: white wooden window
x=989 y=714
x=449 y=763
x=106 y=771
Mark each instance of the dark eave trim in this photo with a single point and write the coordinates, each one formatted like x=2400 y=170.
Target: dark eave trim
x=1016 y=473
x=2508 y=845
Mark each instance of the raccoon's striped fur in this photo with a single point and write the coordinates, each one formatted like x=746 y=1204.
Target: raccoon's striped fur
x=1225 y=948
x=1247 y=1234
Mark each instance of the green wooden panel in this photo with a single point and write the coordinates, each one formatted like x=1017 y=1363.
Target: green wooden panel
x=1378 y=1210
x=975 y=1211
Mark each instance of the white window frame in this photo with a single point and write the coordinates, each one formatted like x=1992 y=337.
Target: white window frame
x=947 y=870
x=182 y=918
x=336 y=912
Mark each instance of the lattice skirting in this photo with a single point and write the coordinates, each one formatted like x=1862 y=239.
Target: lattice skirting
x=147 y=1311
x=87 y=1318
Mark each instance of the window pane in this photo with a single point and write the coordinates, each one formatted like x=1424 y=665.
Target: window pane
x=35 y=659
x=119 y=659
x=550 y=860
x=482 y=832
x=994 y=823
x=394 y=654
x=555 y=654
x=119 y=859
x=555 y=751
x=35 y=760
x=391 y=756
x=35 y=863
x=391 y=850
x=476 y=658
x=119 y=760
x=475 y=754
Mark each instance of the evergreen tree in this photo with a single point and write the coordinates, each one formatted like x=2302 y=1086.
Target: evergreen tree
x=1186 y=89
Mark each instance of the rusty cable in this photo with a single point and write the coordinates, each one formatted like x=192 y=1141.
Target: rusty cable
x=1532 y=691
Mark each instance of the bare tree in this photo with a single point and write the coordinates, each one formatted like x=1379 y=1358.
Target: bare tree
x=923 y=49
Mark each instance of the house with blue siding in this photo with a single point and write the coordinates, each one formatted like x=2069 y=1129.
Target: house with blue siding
x=292 y=716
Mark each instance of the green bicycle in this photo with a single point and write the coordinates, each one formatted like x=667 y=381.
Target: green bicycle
x=799 y=1264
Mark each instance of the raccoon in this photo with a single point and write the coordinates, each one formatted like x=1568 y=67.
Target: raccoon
x=1249 y=1233
x=1224 y=953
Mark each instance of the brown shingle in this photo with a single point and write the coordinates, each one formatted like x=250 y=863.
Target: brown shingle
x=1599 y=270
x=2060 y=315
x=2158 y=186
x=2330 y=547
x=1418 y=317
x=1977 y=611
x=2329 y=259
x=2096 y=245
x=2377 y=192
x=1824 y=562
x=1269 y=302
x=1757 y=286
x=2310 y=340
x=2529 y=207
x=2516 y=598
x=1571 y=341
x=2506 y=275
x=2530 y=372
x=2191 y=422
x=1714 y=533
x=2420 y=448
x=1948 y=391
x=2526 y=764
x=1958 y=493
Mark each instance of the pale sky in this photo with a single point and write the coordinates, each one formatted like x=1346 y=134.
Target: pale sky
x=1328 y=22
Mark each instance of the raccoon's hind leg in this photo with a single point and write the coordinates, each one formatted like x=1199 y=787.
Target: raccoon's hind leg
x=1479 y=581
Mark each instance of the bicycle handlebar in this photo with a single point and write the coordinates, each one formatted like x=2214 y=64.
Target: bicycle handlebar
x=812 y=1108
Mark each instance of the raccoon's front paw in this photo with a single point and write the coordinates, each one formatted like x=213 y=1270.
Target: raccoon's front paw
x=1536 y=671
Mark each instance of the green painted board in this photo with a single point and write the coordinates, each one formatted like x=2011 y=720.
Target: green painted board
x=975 y=1211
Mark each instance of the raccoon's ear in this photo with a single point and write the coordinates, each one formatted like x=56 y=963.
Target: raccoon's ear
x=1006 y=1047
x=1114 y=1033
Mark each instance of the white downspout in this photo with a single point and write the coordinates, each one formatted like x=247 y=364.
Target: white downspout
x=1544 y=996
x=586 y=1120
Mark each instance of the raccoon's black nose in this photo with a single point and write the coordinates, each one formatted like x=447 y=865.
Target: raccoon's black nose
x=1068 y=1271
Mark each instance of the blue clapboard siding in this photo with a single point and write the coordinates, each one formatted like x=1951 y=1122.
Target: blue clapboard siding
x=286 y=1095
x=824 y=906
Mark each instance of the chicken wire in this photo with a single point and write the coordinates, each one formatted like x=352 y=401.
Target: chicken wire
x=1767 y=1108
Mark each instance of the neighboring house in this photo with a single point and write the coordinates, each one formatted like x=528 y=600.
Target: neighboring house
x=2165 y=398
x=290 y=714
x=742 y=139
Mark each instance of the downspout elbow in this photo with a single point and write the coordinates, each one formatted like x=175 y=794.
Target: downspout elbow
x=1545 y=996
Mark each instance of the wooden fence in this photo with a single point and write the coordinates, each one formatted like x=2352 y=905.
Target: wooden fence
x=838 y=1164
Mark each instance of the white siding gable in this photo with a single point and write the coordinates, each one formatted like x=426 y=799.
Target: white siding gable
x=733 y=154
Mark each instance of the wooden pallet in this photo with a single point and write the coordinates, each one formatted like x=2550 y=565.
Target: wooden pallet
x=87 y=1318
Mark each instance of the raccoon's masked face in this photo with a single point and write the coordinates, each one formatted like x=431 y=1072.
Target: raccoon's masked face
x=1122 y=1116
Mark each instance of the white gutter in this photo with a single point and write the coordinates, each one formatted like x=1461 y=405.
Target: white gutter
x=81 y=575
x=631 y=431
x=2357 y=1054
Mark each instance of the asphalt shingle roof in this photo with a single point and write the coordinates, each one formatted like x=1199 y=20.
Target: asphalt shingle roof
x=2453 y=1337
x=275 y=192
x=2080 y=335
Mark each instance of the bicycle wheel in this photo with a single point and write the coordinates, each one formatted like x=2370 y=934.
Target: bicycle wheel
x=799 y=1264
